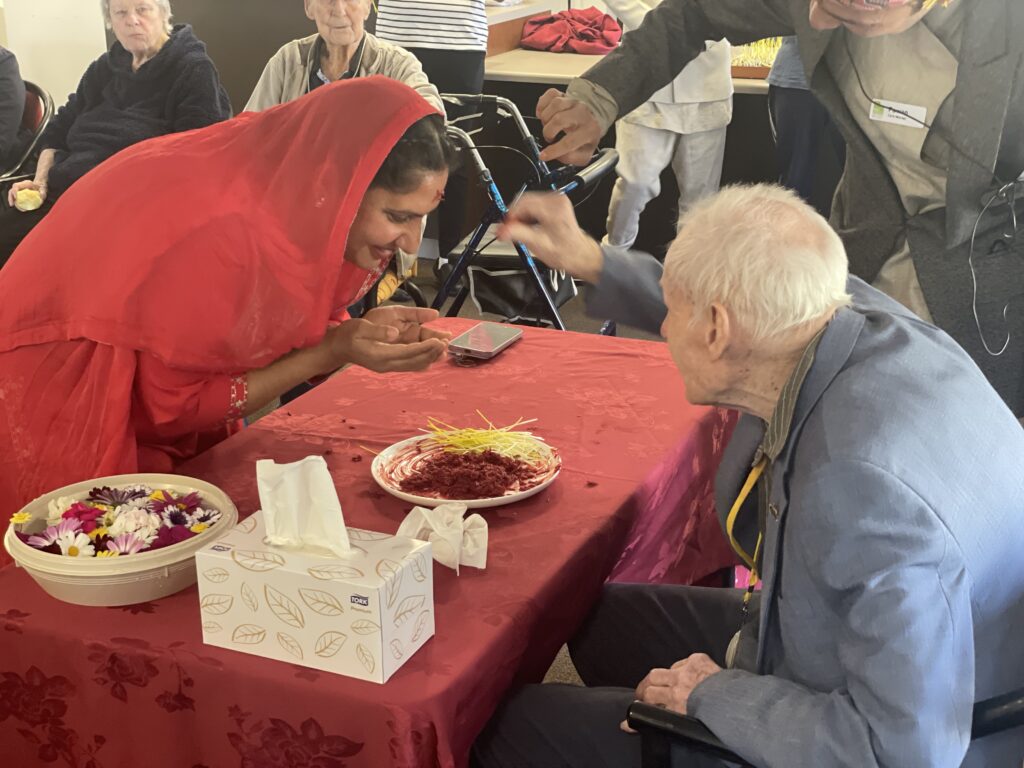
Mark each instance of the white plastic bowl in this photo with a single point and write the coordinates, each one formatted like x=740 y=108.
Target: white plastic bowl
x=120 y=580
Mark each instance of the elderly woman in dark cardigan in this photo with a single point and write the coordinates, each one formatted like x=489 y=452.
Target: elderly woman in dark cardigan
x=155 y=79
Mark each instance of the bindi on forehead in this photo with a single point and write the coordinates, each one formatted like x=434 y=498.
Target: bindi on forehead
x=438 y=195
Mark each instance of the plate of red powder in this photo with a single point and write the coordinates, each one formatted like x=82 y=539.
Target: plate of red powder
x=425 y=472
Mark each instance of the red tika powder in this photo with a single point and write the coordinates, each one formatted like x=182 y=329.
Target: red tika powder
x=481 y=475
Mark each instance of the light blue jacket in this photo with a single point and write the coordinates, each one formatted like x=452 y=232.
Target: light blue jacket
x=893 y=570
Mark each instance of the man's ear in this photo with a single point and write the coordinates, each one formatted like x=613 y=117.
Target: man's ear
x=719 y=331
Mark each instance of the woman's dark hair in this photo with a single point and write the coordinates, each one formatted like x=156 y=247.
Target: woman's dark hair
x=424 y=148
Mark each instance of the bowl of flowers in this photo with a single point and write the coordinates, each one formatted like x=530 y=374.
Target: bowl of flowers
x=118 y=540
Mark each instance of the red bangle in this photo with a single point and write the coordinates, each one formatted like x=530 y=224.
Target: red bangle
x=239 y=397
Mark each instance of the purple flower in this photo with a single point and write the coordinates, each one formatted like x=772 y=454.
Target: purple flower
x=51 y=534
x=115 y=497
x=126 y=544
x=171 y=503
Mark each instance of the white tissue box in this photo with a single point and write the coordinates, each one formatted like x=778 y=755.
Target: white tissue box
x=361 y=616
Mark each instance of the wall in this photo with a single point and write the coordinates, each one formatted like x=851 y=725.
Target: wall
x=54 y=40
x=242 y=35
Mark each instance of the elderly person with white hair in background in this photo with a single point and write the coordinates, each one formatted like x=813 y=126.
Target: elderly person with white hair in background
x=340 y=49
x=155 y=79
x=873 y=484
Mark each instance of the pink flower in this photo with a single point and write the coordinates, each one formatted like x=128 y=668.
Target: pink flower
x=126 y=544
x=82 y=511
x=51 y=534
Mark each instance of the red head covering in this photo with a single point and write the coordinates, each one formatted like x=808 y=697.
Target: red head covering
x=216 y=250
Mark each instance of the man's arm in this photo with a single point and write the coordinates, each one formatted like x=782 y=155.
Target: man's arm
x=649 y=58
x=625 y=285
x=861 y=542
x=673 y=35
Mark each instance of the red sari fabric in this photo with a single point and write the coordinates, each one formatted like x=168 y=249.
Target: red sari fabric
x=175 y=266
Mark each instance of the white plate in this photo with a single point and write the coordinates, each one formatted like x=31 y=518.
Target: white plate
x=429 y=501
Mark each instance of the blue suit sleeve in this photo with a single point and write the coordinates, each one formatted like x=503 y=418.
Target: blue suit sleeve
x=881 y=560
x=629 y=290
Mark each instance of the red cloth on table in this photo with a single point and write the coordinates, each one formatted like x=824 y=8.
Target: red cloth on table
x=171 y=268
x=582 y=30
x=132 y=686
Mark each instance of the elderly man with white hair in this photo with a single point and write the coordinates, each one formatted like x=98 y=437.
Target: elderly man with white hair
x=873 y=484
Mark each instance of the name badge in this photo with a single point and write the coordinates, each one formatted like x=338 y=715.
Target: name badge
x=898 y=113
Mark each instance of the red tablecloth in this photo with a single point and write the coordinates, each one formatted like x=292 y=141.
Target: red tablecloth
x=106 y=688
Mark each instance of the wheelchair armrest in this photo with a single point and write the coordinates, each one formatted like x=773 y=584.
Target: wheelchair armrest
x=651 y=721
x=998 y=714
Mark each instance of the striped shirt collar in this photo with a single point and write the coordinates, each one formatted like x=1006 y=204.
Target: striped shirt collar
x=777 y=433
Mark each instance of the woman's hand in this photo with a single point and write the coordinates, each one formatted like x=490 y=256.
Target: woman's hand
x=39 y=187
x=386 y=339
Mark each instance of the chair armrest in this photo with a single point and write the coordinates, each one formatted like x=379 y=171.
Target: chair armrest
x=998 y=714
x=680 y=729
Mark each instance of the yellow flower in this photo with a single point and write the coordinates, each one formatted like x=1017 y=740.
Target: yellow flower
x=21 y=518
x=104 y=507
x=199 y=527
x=107 y=553
x=95 y=532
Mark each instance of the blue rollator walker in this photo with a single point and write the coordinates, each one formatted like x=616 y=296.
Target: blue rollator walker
x=564 y=180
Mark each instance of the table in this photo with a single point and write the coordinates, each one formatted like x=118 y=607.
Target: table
x=110 y=687
x=523 y=65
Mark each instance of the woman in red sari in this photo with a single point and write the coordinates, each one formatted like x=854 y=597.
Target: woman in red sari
x=192 y=279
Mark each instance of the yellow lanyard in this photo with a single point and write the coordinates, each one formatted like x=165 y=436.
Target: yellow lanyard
x=730 y=523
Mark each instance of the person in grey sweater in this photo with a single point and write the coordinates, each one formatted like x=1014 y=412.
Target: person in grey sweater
x=930 y=99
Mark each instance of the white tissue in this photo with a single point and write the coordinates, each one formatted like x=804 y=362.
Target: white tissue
x=455 y=541
x=300 y=505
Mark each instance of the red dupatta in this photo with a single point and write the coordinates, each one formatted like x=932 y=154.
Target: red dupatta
x=209 y=253
x=217 y=250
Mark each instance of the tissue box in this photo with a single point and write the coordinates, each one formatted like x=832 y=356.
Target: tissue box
x=361 y=616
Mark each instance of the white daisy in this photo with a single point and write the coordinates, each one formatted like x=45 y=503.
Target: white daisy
x=75 y=545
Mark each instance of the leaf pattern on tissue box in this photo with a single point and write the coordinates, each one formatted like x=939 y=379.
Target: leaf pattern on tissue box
x=284 y=607
x=321 y=602
x=391 y=572
x=248 y=634
x=335 y=572
x=329 y=643
x=364 y=627
x=249 y=598
x=290 y=644
x=365 y=658
x=216 y=575
x=407 y=608
x=216 y=605
x=257 y=561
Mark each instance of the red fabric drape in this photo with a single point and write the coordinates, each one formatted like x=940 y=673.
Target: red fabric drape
x=212 y=252
x=583 y=30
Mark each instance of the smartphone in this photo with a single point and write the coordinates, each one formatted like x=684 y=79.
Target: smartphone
x=484 y=341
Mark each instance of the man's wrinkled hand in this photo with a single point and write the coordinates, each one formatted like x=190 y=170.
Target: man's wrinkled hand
x=570 y=124
x=545 y=223
x=671 y=688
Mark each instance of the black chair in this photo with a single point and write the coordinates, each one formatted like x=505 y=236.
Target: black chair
x=38 y=112
x=659 y=729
